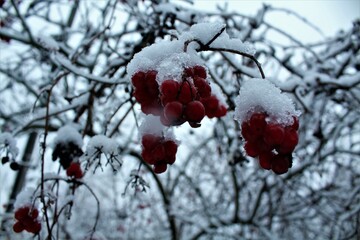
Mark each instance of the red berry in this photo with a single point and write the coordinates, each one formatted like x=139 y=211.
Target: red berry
x=246 y=132
x=188 y=72
x=149 y=141
x=21 y=213
x=138 y=79
x=199 y=71
x=194 y=111
x=274 y=134
x=152 y=88
x=159 y=153
x=170 y=88
x=203 y=87
x=34 y=213
x=74 y=170
x=221 y=111
x=18 y=227
x=33 y=227
x=187 y=92
x=173 y=111
x=295 y=124
x=280 y=164
x=170 y=149
x=251 y=150
x=257 y=123
x=153 y=107
x=291 y=139
x=148 y=157
x=265 y=159
x=211 y=105
x=140 y=95
x=160 y=167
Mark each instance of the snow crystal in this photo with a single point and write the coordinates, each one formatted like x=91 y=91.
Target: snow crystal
x=104 y=144
x=206 y=31
x=261 y=95
x=24 y=198
x=8 y=140
x=224 y=41
x=68 y=134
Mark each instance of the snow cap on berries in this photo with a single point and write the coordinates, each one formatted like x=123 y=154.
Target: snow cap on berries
x=258 y=95
x=24 y=198
x=68 y=133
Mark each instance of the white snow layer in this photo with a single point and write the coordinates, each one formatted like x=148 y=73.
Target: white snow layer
x=24 y=198
x=67 y=134
x=8 y=140
x=152 y=125
x=169 y=59
x=261 y=95
x=103 y=144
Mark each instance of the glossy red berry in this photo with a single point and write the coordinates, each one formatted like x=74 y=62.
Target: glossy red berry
x=138 y=79
x=280 y=164
x=18 y=227
x=74 y=171
x=149 y=141
x=251 y=149
x=160 y=167
x=170 y=88
x=187 y=92
x=265 y=160
x=291 y=139
x=194 y=111
x=199 y=71
x=173 y=111
x=274 y=134
x=257 y=123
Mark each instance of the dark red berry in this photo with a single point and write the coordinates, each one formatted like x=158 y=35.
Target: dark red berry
x=74 y=171
x=160 y=167
x=221 y=111
x=148 y=156
x=138 y=79
x=5 y=159
x=18 y=227
x=170 y=150
x=291 y=139
x=173 y=111
x=265 y=159
x=170 y=88
x=199 y=71
x=257 y=123
x=21 y=213
x=211 y=105
x=159 y=153
x=203 y=87
x=14 y=166
x=274 y=134
x=149 y=141
x=194 y=111
x=187 y=92
x=280 y=164
x=295 y=124
x=251 y=150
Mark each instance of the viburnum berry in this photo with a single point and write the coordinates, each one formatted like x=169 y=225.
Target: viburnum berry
x=138 y=79
x=274 y=134
x=27 y=220
x=5 y=159
x=203 y=87
x=187 y=92
x=194 y=111
x=74 y=170
x=173 y=111
x=158 y=151
x=199 y=71
x=271 y=142
x=169 y=90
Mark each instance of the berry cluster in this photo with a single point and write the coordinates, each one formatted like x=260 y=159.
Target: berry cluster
x=27 y=219
x=272 y=143
x=177 y=102
x=74 y=170
x=158 y=151
x=66 y=152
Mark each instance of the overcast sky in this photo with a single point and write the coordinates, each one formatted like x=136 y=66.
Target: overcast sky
x=329 y=15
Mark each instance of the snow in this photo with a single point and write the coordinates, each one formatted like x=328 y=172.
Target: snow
x=8 y=141
x=261 y=95
x=24 y=198
x=152 y=125
x=169 y=59
x=67 y=134
x=48 y=42
x=103 y=143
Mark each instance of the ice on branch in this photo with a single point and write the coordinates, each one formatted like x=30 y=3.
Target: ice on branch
x=67 y=134
x=99 y=147
x=8 y=143
x=48 y=42
x=258 y=95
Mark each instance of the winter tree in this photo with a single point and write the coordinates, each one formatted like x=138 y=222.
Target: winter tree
x=125 y=119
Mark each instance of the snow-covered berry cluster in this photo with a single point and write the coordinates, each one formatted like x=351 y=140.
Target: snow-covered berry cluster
x=67 y=148
x=158 y=151
x=269 y=124
x=177 y=101
x=27 y=219
x=272 y=143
